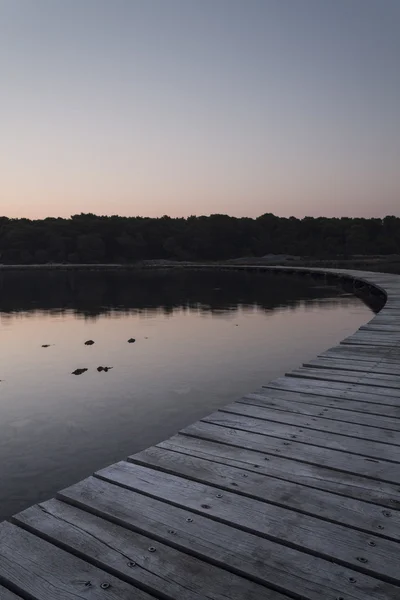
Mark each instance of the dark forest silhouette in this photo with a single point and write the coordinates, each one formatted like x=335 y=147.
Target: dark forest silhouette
x=88 y=238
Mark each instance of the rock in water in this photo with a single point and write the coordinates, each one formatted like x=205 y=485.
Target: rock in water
x=78 y=371
x=131 y=340
x=89 y=343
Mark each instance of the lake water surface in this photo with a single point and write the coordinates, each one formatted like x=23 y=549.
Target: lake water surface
x=202 y=340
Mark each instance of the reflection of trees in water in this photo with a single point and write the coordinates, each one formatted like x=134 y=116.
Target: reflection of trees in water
x=118 y=293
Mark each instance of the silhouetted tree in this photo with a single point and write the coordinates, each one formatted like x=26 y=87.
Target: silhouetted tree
x=92 y=238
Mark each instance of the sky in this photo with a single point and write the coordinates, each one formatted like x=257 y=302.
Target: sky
x=183 y=107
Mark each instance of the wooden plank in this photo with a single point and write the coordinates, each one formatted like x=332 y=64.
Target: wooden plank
x=386 y=319
x=259 y=559
x=324 y=505
x=347 y=365
x=370 y=332
x=389 y=316
x=7 y=595
x=367 y=341
x=315 y=410
x=370 y=408
x=392 y=328
x=382 y=322
x=167 y=572
x=349 y=355
x=334 y=459
x=336 y=390
x=381 y=328
x=357 y=372
x=315 y=422
x=367 y=378
x=361 y=353
x=314 y=476
x=376 y=382
x=310 y=437
x=40 y=571
x=380 y=394
x=324 y=539
x=387 y=361
x=375 y=348
x=357 y=353
x=382 y=338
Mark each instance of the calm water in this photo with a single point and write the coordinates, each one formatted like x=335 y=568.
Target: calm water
x=202 y=340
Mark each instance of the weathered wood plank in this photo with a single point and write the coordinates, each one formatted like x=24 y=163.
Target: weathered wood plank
x=389 y=328
x=367 y=378
x=316 y=422
x=381 y=366
x=362 y=338
x=327 y=540
x=336 y=390
x=333 y=459
x=337 y=509
x=390 y=360
x=368 y=341
x=310 y=437
x=349 y=356
x=319 y=399
x=40 y=571
x=372 y=393
x=314 y=476
x=361 y=353
x=264 y=561
x=380 y=334
x=327 y=412
x=167 y=572
x=347 y=365
x=370 y=348
x=369 y=332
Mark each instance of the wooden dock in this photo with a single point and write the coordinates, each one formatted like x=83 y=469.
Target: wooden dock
x=290 y=492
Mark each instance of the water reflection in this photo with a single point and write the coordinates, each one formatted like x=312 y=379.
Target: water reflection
x=117 y=293
x=202 y=340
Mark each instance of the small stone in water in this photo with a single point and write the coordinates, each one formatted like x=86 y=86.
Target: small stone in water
x=131 y=340
x=89 y=343
x=78 y=371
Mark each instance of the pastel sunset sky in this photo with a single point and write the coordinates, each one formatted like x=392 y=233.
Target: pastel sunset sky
x=180 y=107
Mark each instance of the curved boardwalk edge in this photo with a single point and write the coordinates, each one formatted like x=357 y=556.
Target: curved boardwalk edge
x=292 y=491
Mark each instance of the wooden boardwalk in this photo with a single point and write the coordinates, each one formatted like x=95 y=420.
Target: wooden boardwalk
x=290 y=492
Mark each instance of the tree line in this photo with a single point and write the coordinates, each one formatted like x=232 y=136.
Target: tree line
x=89 y=238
